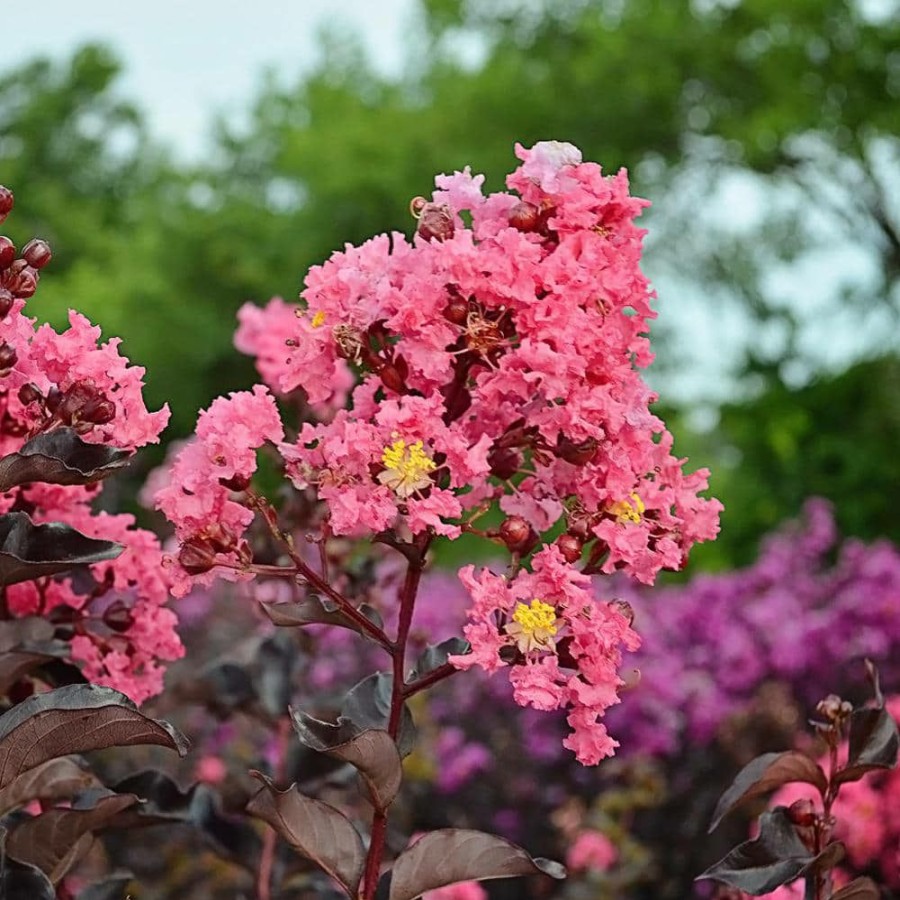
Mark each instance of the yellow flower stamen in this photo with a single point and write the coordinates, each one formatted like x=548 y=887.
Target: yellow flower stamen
x=407 y=467
x=628 y=510
x=318 y=320
x=533 y=626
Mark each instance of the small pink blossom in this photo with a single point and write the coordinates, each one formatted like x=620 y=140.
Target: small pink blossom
x=591 y=851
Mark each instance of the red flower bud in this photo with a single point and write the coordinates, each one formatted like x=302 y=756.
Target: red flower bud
x=7 y=252
x=436 y=222
x=8 y=358
x=197 y=557
x=7 y=201
x=237 y=483
x=118 y=617
x=802 y=812
x=570 y=547
x=6 y=302
x=518 y=535
x=578 y=453
x=457 y=311
x=392 y=379
x=20 y=279
x=504 y=462
x=37 y=253
x=524 y=216
x=30 y=393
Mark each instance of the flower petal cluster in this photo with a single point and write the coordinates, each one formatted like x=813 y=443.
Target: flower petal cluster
x=204 y=479
x=112 y=614
x=573 y=659
x=511 y=349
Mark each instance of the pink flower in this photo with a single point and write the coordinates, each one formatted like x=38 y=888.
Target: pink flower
x=565 y=647
x=463 y=890
x=591 y=851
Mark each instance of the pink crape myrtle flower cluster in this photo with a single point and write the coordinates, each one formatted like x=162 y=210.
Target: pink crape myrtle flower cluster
x=490 y=362
x=118 y=626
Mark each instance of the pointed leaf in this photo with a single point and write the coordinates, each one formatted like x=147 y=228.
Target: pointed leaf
x=873 y=744
x=312 y=610
x=162 y=801
x=371 y=752
x=75 y=719
x=764 y=774
x=29 y=551
x=57 y=839
x=459 y=854
x=776 y=857
x=315 y=830
x=26 y=644
x=113 y=887
x=23 y=882
x=232 y=838
x=858 y=889
x=368 y=706
x=55 y=779
x=60 y=457
x=435 y=655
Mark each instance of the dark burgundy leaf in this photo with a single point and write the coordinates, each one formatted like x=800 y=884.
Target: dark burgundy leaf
x=113 y=887
x=435 y=655
x=230 y=837
x=23 y=882
x=26 y=644
x=459 y=854
x=55 y=779
x=776 y=857
x=858 y=889
x=312 y=610
x=368 y=706
x=29 y=551
x=371 y=752
x=764 y=774
x=57 y=839
x=315 y=830
x=223 y=688
x=60 y=457
x=75 y=719
x=873 y=744
x=162 y=801
x=277 y=661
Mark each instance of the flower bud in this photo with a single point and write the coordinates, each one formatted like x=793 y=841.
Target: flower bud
x=37 y=253
x=8 y=358
x=802 y=812
x=7 y=201
x=833 y=708
x=20 y=279
x=7 y=252
x=578 y=453
x=416 y=206
x=118 y=617
x=197 y=557
x=392 y=379
x=524 y=216
x=504 y=462
x=570 y=547
x=30 y=393
x=237 y=483
x=436 y=222
x=6 y=302
x=518 y=535
x=624 y=609
x=457 y=311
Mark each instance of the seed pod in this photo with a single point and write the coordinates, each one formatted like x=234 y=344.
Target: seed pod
x=8 y=358
x=456 y=311
x=197 y=557
x=6 y=302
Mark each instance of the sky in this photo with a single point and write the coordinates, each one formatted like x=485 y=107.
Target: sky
x=185 y=61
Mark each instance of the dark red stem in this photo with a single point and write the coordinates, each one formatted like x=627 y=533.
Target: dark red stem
x=399 y=694
x=267 y=858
